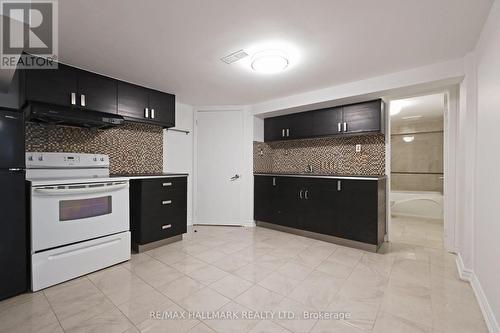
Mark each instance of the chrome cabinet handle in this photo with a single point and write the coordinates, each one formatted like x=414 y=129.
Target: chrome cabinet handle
x=300 y=193
x=82 y=100
x=274 y=181
x=73 y=98
x=287 y=132
x=345 y=127
x=283 y=133
x=339 y=185
x=339 y=127
x=146 y=113
x=166 y=226
x=152 y=113
x=166 y=202
x=305 y=195
x=166 y=184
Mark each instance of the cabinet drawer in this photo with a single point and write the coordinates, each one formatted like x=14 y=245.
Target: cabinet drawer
x=161 y=227
x=163 y=185
x=162 y=205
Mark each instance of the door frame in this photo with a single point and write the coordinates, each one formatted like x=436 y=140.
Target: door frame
x=450 y=128
x=246 y=172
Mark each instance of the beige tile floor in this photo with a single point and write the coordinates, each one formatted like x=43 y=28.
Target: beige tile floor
x=410 y=286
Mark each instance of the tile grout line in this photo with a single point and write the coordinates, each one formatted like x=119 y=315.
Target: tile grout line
x=114 y=305
x=52 y=309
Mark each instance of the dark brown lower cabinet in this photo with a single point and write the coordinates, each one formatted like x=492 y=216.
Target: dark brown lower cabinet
x=352 y=209
x=158 y=209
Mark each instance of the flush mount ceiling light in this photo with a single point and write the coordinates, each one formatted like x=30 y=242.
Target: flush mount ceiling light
x=411 y=117
x=269 y=61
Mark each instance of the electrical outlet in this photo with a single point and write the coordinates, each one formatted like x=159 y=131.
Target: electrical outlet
x=358 y=148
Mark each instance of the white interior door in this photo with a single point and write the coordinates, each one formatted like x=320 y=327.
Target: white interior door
x=219 y=153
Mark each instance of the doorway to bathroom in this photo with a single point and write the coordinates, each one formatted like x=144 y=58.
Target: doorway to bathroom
x=417 y=126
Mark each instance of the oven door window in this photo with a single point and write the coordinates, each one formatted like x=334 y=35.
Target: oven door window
x=70 y=210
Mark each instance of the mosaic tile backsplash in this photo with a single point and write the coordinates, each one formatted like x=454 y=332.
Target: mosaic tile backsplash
x=132 y=147
x=328 y=156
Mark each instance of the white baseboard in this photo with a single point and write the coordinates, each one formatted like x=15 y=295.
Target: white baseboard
x=469 y=276
x=218 y=222
x=464 y=273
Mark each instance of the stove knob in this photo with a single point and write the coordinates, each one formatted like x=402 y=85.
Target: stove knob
x=102 y=159
x=40 y=158
x=30 y=158
x=95 y=159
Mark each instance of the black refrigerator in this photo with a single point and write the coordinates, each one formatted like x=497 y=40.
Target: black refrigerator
x=13 y=217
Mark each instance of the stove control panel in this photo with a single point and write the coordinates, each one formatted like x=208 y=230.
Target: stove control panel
x=43 y=160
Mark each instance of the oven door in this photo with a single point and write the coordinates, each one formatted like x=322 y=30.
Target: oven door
x=66 y=214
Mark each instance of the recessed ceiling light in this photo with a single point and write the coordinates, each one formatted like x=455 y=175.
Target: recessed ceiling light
x=269 y=61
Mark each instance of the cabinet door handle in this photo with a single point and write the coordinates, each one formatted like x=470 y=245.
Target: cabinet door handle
x=274 y=181
x=152 y=113
x=166 y=184
x=166 y=226
x=339 y=127
x=305 y=194
x=166 y=202
x=300 y=193
x=283 y=133
x=287 y=132
x=82 y=100
x=339 y=185
x=345 y=127
x=146 y=113
x=73 y=98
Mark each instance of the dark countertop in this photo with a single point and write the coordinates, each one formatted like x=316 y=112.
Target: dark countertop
x=149 y=175
x=316 y=175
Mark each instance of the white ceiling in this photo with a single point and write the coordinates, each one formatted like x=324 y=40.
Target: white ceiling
x=428 y=107
x=176 y=45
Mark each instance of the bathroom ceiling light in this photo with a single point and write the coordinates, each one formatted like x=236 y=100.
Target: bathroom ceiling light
x=398 y=105
x=408 y=139
x=411 y=117
x=269 y=62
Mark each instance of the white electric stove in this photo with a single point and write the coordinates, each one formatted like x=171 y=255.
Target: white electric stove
x=79 y=216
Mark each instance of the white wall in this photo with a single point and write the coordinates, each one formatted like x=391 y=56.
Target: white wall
x=425 y=78
x=258 y=129
x=486 y=214
x=178 y=149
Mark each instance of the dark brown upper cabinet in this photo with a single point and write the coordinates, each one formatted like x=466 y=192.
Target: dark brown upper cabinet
x=353 y=119
x=327 y=122
x=52 y=86
x=289 y=127
x=162 y=107
x=97 y=92
x=141 y=104
x=363 y=117
x=71 y=87
x=75 y=88
x=132 y=101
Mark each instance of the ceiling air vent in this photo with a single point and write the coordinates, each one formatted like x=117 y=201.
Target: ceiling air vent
x=235 y=56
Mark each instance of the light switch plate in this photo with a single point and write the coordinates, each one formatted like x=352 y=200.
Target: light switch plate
x=358 y=148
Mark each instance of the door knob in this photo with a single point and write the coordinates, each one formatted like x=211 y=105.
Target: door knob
x=233 y=178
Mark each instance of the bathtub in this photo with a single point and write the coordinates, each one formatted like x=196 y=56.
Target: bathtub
x=417 y=204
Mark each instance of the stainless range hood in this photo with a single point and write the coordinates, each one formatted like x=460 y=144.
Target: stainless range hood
x=53 y=115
